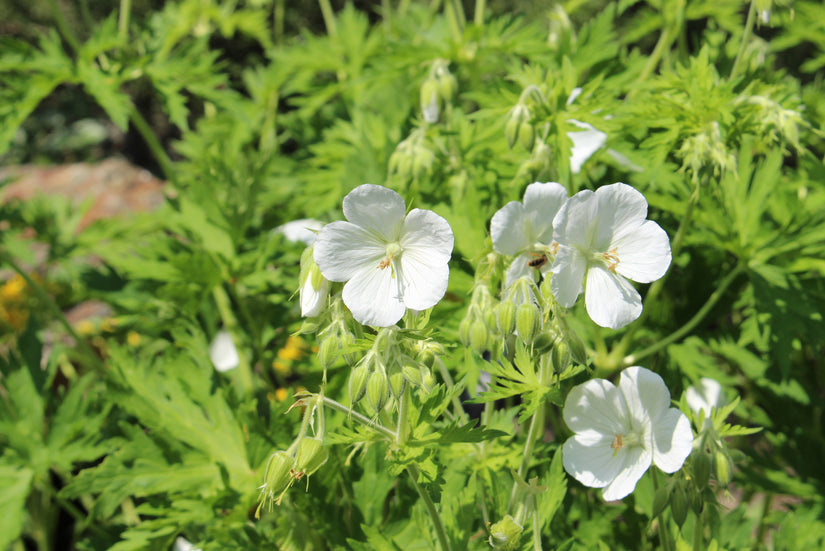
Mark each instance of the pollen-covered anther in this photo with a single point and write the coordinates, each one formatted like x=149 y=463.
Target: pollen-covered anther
x=617 y=444
x=384 y=263
x=612 y=258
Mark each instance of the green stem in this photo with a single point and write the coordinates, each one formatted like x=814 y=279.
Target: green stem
x=694 y=321
x=329 y=17
x=536 y=426
x=403 y=411
x=745 y=38
x=440 y=532
x=84 y=348
x=377 y=427
x=123 y=19
x=278 y=17
x=652 y=61
x=231 y=324
x=456 y=18
x=699 y=531
x=664 y=534
x=63 y=27
x=760 y=532
x=478 y=15
x=152 y=143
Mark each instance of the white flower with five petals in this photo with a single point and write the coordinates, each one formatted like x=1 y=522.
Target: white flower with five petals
x=525 y=229
x=620 y=431
x=706 y=396
x=604 y=240
x=389 y=260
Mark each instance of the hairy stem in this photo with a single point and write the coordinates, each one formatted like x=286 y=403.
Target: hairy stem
x=536 y=428
x=231 y=324
x=377 y=427
x=746 y=35
x=440 y=532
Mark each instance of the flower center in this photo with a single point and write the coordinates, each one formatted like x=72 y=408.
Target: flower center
x=624 y=441
x=393 y=250
x=611 y=258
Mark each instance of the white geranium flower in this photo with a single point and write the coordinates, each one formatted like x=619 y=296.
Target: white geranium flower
x=390 y=261
x=525 y=230
x=182 y=544
x=585 y=142
x=621 y=431
x=223 y=353
x=313 y=299
x=303 y=230
x=604 y=238
x=706 y=396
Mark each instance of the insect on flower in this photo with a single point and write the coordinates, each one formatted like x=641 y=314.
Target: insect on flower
x=538 y=260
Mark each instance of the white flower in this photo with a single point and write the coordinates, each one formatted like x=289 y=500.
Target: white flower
x=390 y=261
x=182 y=544
x=526 y=229
x=223 y=353
x=604 y=238
x=706 y=396
x=314 y=286
x=621 y=431
x=585 y=143
x=303 y=230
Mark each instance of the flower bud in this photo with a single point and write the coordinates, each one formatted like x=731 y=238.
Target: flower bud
x=506 y=317
x=478 y=336
x=701 y=469
x=397 y=381
x=722 y=467
x=278 y=475
x=430 y=101
x=679 y=504
x=527 y=135
x=347 y=340
x=464 y=330
x=505 y=534
x=661 y=499
x=328 y=350
x=527 y=321
x=560 y=357
x=378 y=389
x=577 y=349
x=358 y=382
x=545 y=341
x=311 y=455
x=412 y=371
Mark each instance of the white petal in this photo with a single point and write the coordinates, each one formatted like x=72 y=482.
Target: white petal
x=223 y=353
x=182 y=544
x=427 y=233
x=596 y=406
x=343 y=248
x=585 y=143
x=373 y=295
x=508 y=229
x=424 y=279
x=621 y=211
x=377 y=209
x=705 y=396
x=313 y=300
x=644 y=255
x=577 y=222
x=430 y=111
x=672 y=440
x=590 y=459
x=636 y=461
x=519 y=268
x=304 y=230
x=645 y=393
x=569 y=268
x=542 y=202
x=610 y=299
x=576 y=92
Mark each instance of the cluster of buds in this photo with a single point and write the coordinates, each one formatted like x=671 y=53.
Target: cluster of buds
x=706 y=149
x=303 y=458
x=337 y=338
x=385 y=370
x=775 y=122
x=479 y=328
x=520 y=310
x=519 y=127
x=412 y=159
x=506 y=534
x=437 y=91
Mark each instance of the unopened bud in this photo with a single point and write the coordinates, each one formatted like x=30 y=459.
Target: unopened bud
x=430 y=101
x=527 y=135
x=347 y=341
x=478 y=336
x=328 y=351
x=545 y=341
x=722 y=467
x=560 y=357
x=701 y=469
x=661 y=499
x=577 y=349
x=397 y=381
x=412 y=371
x=527 y=321
x=506 y=534
x=679 y=505
x=378 y=389
x=506 y=317
x=464 y=330
x=278 y=475
x=310 y=456
x=358 y=382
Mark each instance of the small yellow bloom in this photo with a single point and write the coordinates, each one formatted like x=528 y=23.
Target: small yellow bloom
x=133 y=338
x=108 y=324
x=281 y=394
x=289 y=353
x=282 y=368
x=13 y=290
x=85 y=328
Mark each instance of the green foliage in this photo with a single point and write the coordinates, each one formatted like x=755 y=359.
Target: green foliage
x=257 y=113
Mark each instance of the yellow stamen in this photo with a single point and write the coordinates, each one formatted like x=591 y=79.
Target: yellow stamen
x=617 y=444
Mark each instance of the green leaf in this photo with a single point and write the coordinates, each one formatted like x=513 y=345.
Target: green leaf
x=15 y=483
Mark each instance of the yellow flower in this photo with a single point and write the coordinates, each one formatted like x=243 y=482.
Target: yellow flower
x=282 y=368
x=133 y=338
x=281 y=394
x=85 y=328
x=13 y=290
